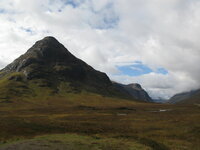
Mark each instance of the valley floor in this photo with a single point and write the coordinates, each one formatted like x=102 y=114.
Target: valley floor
x=127 y=126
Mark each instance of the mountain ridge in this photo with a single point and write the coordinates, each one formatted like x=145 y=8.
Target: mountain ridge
x=190 y=97
x=49 y=65
x=135 y=90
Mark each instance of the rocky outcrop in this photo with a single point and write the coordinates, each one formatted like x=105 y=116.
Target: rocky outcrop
x=135 y=90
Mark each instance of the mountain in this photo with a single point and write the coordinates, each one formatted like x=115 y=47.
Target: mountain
x=49 y=65
x=135 y=90
x=49 y=69
x=191 y=97
x=159 y=100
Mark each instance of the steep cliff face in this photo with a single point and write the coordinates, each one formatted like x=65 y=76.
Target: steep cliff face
x=135 y=90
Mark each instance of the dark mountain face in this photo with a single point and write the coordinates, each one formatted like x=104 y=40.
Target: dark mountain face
x=135 y=90
x=48 y=58
x=191 y=97
x=48 y=64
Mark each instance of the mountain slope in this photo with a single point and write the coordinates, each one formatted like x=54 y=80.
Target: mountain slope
x=186 y=97
x=47 y=69
x=135 y=90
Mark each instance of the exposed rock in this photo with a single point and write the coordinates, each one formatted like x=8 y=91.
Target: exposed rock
x=16 y=78
x=135 y=90
x=50 y=62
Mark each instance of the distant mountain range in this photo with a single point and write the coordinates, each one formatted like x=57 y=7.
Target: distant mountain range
x=191 y=97
x=159 y=100
x=49 y=69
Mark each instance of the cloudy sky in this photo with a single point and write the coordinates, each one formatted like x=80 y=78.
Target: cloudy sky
x=152 y=42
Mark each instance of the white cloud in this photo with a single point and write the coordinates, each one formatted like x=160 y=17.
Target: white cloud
x=159 y=85
x=108 y=33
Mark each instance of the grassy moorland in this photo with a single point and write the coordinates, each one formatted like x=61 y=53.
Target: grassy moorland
x=89 y=121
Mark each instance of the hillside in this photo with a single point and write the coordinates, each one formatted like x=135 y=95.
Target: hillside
x=191 y=97
x=48 y=69
x=51 y=100
x=135 y=90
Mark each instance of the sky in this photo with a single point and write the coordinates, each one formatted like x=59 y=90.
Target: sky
x=154 y=43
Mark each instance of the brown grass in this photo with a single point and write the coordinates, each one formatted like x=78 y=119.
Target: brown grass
x=178 y=128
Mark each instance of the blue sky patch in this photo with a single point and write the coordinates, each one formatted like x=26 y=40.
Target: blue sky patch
x=71 y=2
x=64 y=3
x=108 y=19
x=107 y=23
x=138 y=69
x=2 y=11
x=162 y=71
x=28 y=30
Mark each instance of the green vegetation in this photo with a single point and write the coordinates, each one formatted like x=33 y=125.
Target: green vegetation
x=99 y=122
x=69 y=116
x=56 y=101
x=11 y=86
x=76 y=142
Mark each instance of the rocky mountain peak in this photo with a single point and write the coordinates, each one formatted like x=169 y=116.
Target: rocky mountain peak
x=49 y=61
x=45 y=43
x=49 y=48
x=46 y=52
x=135 y=86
